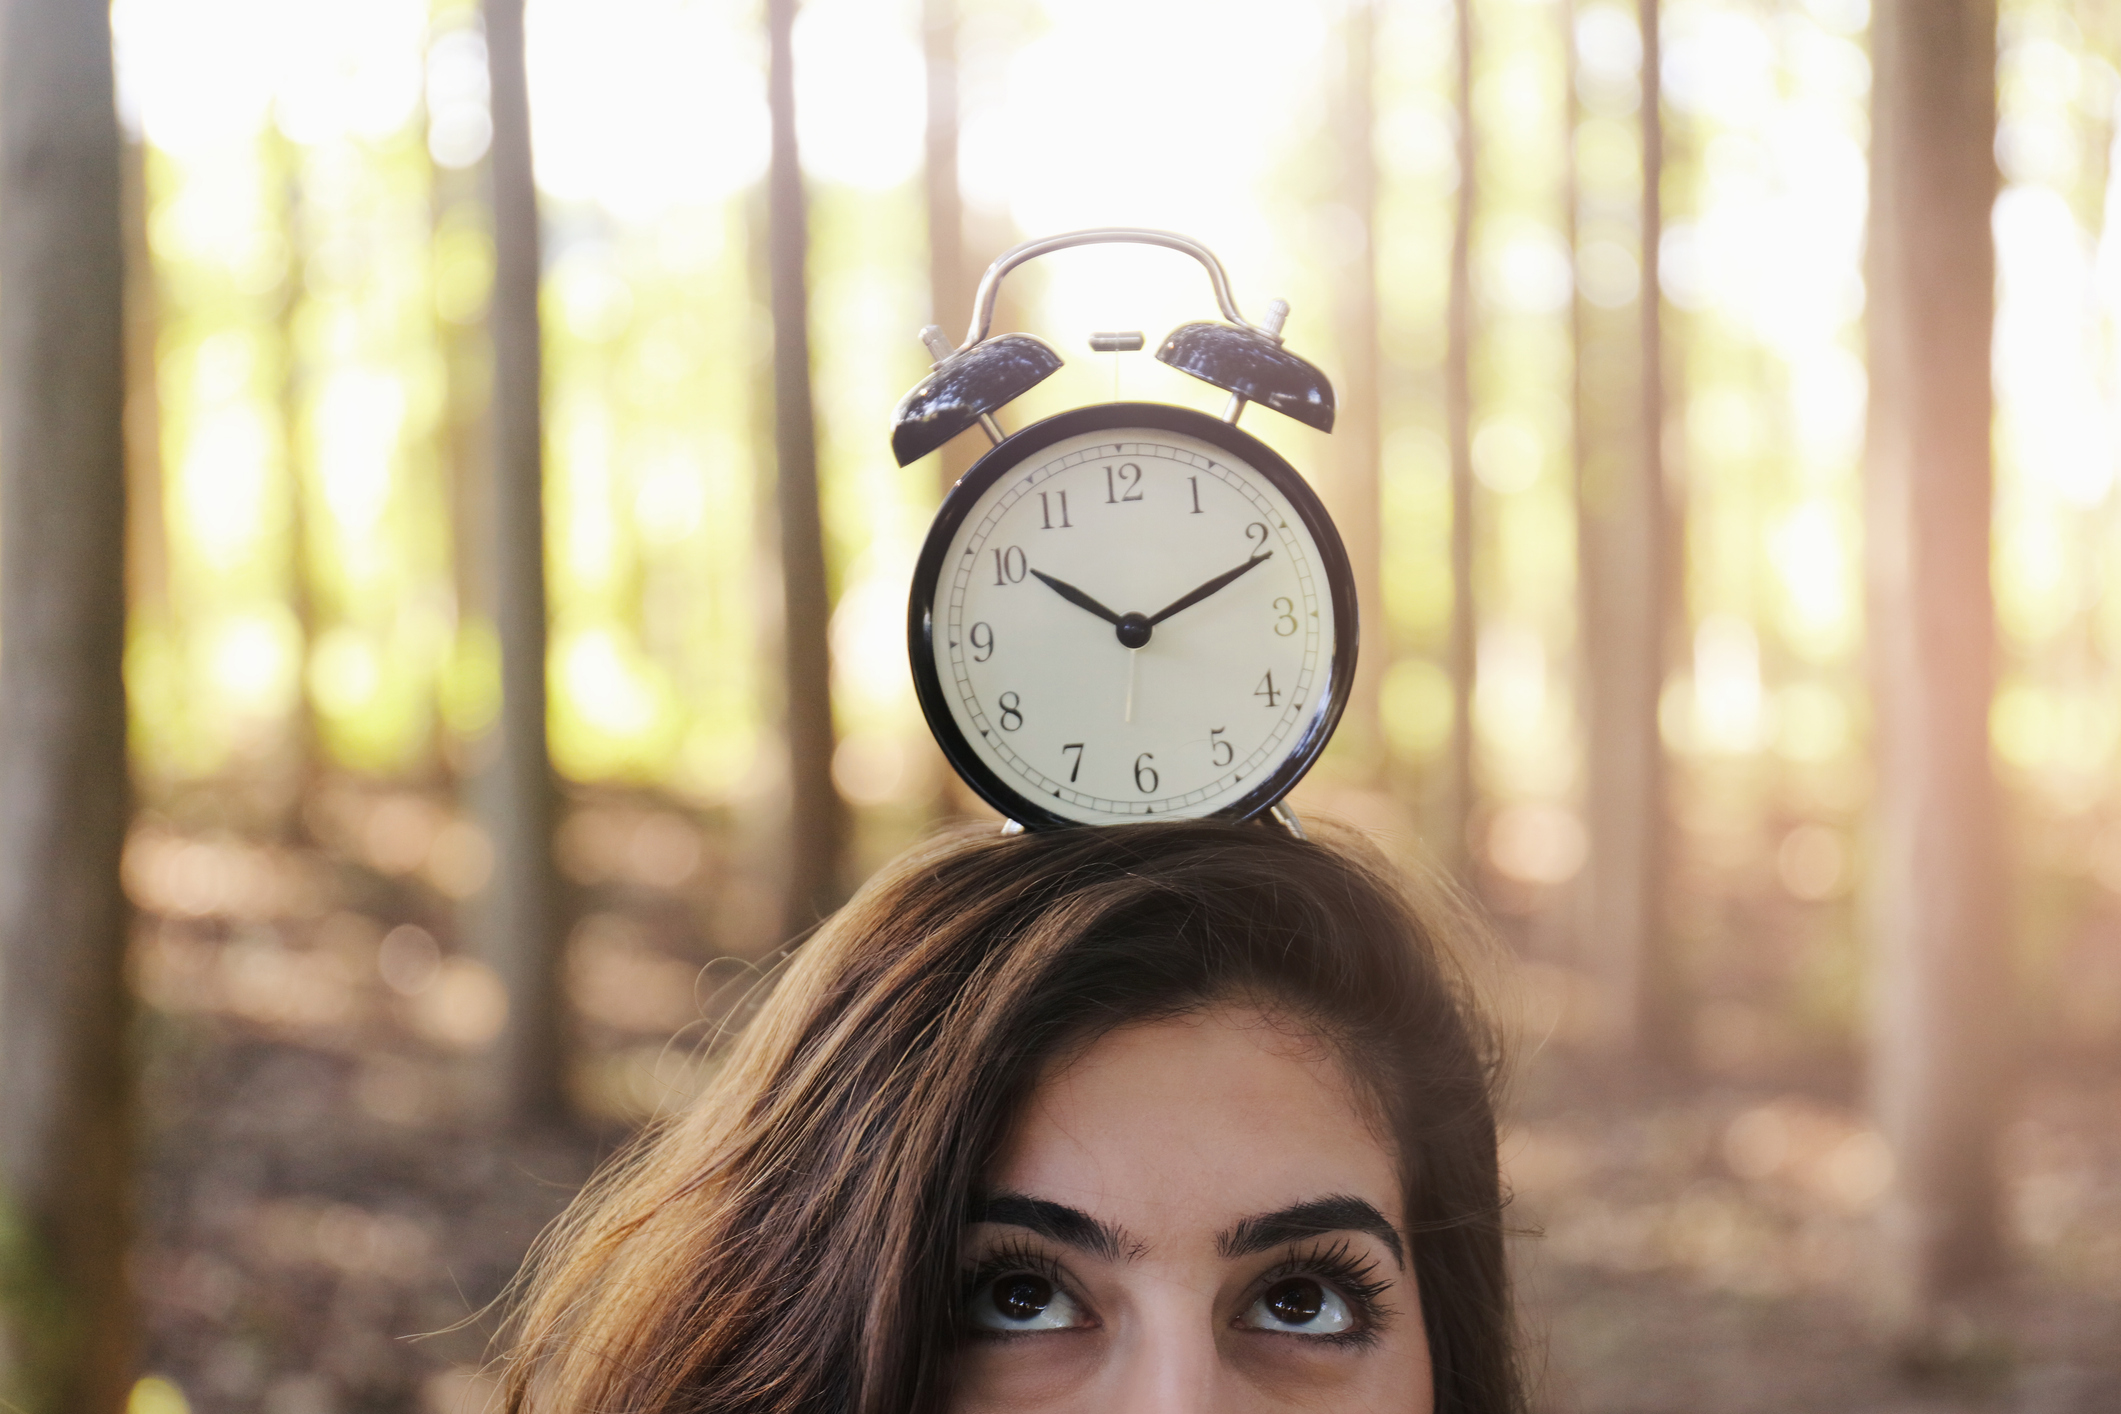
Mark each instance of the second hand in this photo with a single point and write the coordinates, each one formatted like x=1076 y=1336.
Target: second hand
x=1131 y=653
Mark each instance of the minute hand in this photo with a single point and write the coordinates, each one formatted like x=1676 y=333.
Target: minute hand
x=1209 y=588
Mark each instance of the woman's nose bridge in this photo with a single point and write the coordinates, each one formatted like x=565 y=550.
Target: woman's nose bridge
x=1173 y=1363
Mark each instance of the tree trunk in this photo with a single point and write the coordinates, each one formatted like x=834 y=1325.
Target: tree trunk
x=1626 y=596
x=950 y=286
x=817 y=826
x=460 y=207
x=307 y=745
x=147 y=532
x=1357 y=432
x=524 y=911
x=65 y=1146
x=1461 y=785
x=1943 y=993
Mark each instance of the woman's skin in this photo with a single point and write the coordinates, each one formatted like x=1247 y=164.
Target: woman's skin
x=1191 y=1216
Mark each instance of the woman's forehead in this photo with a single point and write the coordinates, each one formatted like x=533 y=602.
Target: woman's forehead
x=1194 y=1122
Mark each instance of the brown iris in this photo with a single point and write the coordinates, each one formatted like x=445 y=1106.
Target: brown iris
x=1295 y=1302
x=1022 y=1296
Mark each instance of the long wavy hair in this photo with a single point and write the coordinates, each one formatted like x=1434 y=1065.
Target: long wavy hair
x=790 y=1242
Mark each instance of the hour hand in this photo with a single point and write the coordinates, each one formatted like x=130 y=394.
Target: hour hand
x=1205 y=590
x=1076 y=597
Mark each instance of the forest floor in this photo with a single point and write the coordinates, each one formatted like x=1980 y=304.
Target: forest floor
x=323 y=1231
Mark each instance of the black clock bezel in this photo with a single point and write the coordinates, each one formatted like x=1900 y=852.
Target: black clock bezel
x=1010 y=454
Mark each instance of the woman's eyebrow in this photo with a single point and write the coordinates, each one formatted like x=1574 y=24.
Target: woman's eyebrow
x=1071 y=1227
x=1337 y=1213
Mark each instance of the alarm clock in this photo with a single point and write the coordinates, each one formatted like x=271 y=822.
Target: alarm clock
x=1128 y=611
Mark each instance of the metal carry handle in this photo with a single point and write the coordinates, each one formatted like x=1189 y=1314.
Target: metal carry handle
x=990 y=283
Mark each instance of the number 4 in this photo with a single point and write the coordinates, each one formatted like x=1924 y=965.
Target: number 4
x=1267 y=690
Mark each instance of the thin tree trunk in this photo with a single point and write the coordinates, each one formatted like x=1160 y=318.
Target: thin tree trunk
x=1579 y=361
x=466 y=436
x=1660 y=1027
x=1462 y=787
x=147 y=532
x=65 y=1146
x=461 y=434
x=1357 y=433
x=1626 y=593
x=1943 y=995
x=307 y=747
x=949 y=289
x=524 y=909
x=817 y=826
x=950 y=285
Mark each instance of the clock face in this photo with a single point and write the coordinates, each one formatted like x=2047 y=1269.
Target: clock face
x=1132 y=611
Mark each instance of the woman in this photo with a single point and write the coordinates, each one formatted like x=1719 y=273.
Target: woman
x=1184 y=1116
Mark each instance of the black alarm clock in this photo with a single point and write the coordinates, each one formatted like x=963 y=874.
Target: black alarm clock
x=1130 y=610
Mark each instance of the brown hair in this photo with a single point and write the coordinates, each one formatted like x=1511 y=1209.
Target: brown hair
x=790 y=1243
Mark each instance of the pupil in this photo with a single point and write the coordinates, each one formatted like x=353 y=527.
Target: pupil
x=1023 y=1296
x=1295 y=1302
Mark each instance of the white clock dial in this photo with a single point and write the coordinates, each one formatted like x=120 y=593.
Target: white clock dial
x=1149 y=537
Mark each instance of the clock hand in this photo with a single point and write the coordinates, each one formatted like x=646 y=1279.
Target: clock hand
x=1205 y=590
x=1076 y=597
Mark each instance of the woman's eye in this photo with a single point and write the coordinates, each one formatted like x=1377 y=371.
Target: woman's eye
x=1023 y=1301
x=1300 y=1306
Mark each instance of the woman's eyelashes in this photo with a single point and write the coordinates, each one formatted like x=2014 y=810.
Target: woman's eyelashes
x=1327 y=1294
x=1020 y=1291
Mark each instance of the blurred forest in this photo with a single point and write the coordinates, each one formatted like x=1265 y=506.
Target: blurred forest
x=450 y=846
